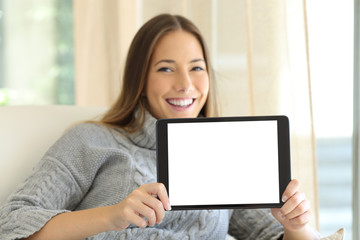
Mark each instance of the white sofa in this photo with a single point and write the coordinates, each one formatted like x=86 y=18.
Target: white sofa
x=26 y=132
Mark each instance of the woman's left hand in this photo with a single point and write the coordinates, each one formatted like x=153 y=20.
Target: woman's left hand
x=295 y=214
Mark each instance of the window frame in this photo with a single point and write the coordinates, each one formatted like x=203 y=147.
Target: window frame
x=2 y=69
x=356 y=127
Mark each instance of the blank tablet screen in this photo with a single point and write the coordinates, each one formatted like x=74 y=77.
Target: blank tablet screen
x=222 y=162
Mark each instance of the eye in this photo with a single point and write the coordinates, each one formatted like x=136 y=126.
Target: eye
x=197 y=68
x=164 y=69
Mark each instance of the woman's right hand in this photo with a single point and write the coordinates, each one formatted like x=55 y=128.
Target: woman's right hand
x=148 y=201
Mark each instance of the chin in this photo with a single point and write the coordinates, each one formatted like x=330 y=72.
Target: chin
x=186 y=115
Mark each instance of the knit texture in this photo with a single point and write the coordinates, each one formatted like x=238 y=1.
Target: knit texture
x=92 y=166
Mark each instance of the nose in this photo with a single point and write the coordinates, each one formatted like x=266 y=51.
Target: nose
x=184 y=82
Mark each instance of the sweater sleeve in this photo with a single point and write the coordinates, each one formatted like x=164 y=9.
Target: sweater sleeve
x=57 y=184
x=251 y=224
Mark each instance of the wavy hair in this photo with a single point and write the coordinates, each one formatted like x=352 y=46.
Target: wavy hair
x=130 y=101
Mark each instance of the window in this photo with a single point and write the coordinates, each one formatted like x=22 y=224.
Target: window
x=331 y=58
x=36 y=52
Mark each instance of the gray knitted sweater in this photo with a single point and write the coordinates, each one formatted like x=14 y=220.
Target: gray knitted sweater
x=91 y=166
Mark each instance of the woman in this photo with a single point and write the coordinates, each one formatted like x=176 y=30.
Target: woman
x=98 y=180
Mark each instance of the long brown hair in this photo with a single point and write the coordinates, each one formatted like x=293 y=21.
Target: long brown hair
x=130 y=100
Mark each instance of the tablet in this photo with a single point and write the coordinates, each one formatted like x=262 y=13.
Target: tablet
x=224 y=162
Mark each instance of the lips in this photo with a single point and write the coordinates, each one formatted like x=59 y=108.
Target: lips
x=181 y=102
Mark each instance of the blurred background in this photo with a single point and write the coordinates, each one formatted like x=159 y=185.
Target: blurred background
x=264 y=53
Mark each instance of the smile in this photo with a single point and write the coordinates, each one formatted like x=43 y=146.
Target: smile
x=184 y=103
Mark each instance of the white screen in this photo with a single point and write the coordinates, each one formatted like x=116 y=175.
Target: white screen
x=213 y=163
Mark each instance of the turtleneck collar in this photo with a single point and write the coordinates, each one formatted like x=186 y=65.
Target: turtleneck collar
x=146 y=136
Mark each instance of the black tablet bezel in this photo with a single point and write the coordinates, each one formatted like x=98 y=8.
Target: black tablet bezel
x=283 y=156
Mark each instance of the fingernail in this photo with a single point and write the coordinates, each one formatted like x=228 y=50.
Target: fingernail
x=284 y=198
x=168 y=206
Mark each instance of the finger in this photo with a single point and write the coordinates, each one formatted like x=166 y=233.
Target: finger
x=301 y=220
x=156 y=205
x=149 y=214
x=301 y=208
x=277 y=214
x=134 y=218
x=292 y=203
x=291 y=189
x=159 y=190
x=140 y=208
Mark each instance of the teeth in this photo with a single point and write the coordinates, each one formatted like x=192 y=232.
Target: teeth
x=181 y=103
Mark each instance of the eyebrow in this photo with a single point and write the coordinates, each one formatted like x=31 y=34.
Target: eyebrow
x=164 y=60
x=197 y=60
x=172 y=61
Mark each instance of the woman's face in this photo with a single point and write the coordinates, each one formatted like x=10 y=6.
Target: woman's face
x=177 y=84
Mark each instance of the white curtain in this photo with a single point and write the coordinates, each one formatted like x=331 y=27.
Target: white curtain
x=259 y=51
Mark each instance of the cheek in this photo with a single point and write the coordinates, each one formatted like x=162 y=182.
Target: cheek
x=204 y=86
x=156 y=87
